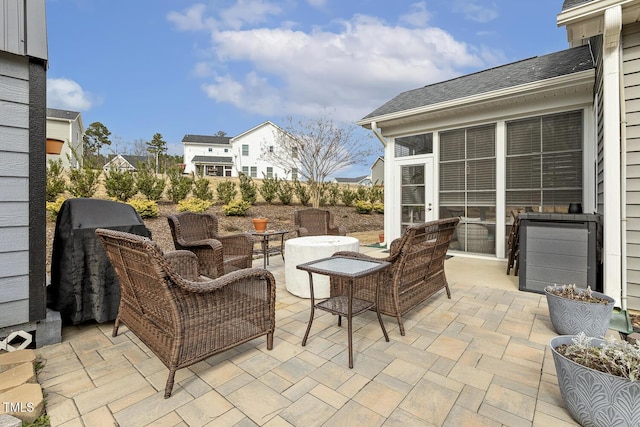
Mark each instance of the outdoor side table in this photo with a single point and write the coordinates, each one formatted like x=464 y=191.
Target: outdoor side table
x=267 y=250
x=346 y=270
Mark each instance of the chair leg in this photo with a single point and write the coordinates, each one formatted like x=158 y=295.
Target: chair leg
x=116 y=324
x=400 y=324
x=446 y=287
x=169 y=386
x=270 y=341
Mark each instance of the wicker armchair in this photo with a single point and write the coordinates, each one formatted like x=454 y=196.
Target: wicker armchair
x=217 y=254
x=416 y=273
x=316 y=222
x=181 y=316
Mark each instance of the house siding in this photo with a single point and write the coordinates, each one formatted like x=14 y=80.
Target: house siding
x=14 y=180
x=71 y=132
x=631 y=71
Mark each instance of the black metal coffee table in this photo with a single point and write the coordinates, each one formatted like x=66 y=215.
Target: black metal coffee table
x=346 y=270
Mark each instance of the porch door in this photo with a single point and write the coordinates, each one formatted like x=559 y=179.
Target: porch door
x=415 y=198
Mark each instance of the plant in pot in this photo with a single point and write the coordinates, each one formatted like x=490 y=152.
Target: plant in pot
x=574 y=310
x=598 y=379
x=260 y=224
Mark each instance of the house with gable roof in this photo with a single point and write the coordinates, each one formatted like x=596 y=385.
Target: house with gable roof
x=229 y=156
x=533 y=135
x=67 y=126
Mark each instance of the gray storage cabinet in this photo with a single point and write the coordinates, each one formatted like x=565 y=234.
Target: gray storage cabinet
x=559 y=249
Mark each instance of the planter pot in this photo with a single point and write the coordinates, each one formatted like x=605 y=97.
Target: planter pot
x=381 y=237
x=260 y=224
x=595 y=398
x=54 y=146
x=570 y=317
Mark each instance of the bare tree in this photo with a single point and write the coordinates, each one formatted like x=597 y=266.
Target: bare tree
x=317 y=148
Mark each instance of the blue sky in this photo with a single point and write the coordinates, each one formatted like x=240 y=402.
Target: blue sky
x=196 y=67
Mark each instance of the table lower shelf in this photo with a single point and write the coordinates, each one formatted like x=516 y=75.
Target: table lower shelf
x=340 y=305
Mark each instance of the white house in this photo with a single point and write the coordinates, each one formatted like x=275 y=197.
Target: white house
x=364 y=180
x=533 y=135
x=66 y=126
x=225 y=156
x=125 y=162
x=377 y=171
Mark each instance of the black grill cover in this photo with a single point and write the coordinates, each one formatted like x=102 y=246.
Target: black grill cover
x=84 y=286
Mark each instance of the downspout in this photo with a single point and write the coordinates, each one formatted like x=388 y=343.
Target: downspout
x=613 y=209
x=623 y=190
x=378 y=134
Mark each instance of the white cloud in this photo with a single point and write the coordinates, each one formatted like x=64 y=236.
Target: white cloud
x=66 y=94
x=475 y=12
x=248 y=12
x=317 y=3
x=353 y=69
x=418 y=16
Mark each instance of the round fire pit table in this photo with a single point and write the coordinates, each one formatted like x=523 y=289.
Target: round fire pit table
x=309 y=248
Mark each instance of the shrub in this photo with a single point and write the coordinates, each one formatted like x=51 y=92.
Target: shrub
x=378 y=207
x=285 y=192
x=201 y=189
x=226 y=191
x=194 y=204
x=269 y=189
x=83 y=182
x=348 y=196
x=362 y=193
x=55 y=180
x=376 y=194
x=363 y=207
x=120 y=184
x=179 y=185
x=146 y=208
x=54 y=207
x=236 y=208
x=333 y=191
x=302 y=192
x=148 y=184
x=248 y=189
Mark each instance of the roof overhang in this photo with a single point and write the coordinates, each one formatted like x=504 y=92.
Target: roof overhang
x=587 y=20
x=567 y=85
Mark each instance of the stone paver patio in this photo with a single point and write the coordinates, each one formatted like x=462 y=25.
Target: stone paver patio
x=479 y=359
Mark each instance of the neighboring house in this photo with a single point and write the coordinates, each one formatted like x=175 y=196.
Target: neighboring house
x=534 y=135
x=124 y=162
x=249 y=147
x=23 y=112
x=225 y=156
x=377 y=171
x=67 y=126
x=208 y=155
x=360 y=180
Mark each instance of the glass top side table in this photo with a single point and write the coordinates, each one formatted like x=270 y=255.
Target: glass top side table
x=265 y=249
x=345 y=269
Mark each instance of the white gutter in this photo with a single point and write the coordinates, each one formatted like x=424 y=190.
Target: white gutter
x=378 y=134
x=589 y=10
x=623 y=189
x=611 y=122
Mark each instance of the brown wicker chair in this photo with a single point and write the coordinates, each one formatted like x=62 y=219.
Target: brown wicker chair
x=217 y=254
x=316 y=222
x=416 y=273
x=181 y=316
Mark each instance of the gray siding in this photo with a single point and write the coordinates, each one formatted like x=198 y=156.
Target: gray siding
x=631 y=70
x=23 y=28
x=14 y=197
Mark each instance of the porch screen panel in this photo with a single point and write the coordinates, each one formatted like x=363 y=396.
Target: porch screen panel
x=468 y=185
x=544 y=163
x=412 y=195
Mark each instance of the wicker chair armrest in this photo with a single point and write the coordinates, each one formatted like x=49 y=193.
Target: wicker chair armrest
x=185 y=263
x=229 y=279
x=195 y=244
x=209 y=253
x=302 y=231
x=236 y=244
x=337 y=231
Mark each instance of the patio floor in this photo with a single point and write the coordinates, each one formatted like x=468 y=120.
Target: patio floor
x=478 y=359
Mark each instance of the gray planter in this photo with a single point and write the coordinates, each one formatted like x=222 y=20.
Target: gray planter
x=595 y=398
x=570 y=317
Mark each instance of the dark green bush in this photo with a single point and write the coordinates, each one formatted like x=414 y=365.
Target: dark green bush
x=120 y=184
x=333 y=191
x=348 y=196
x=149 y=184
x=226 y=191
x=55 y=180
x=179 y=185
x=302 y=192
x=285 y=192
x=201 y=189
x=269 y=189
x=248 y=189
x=83 y=182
